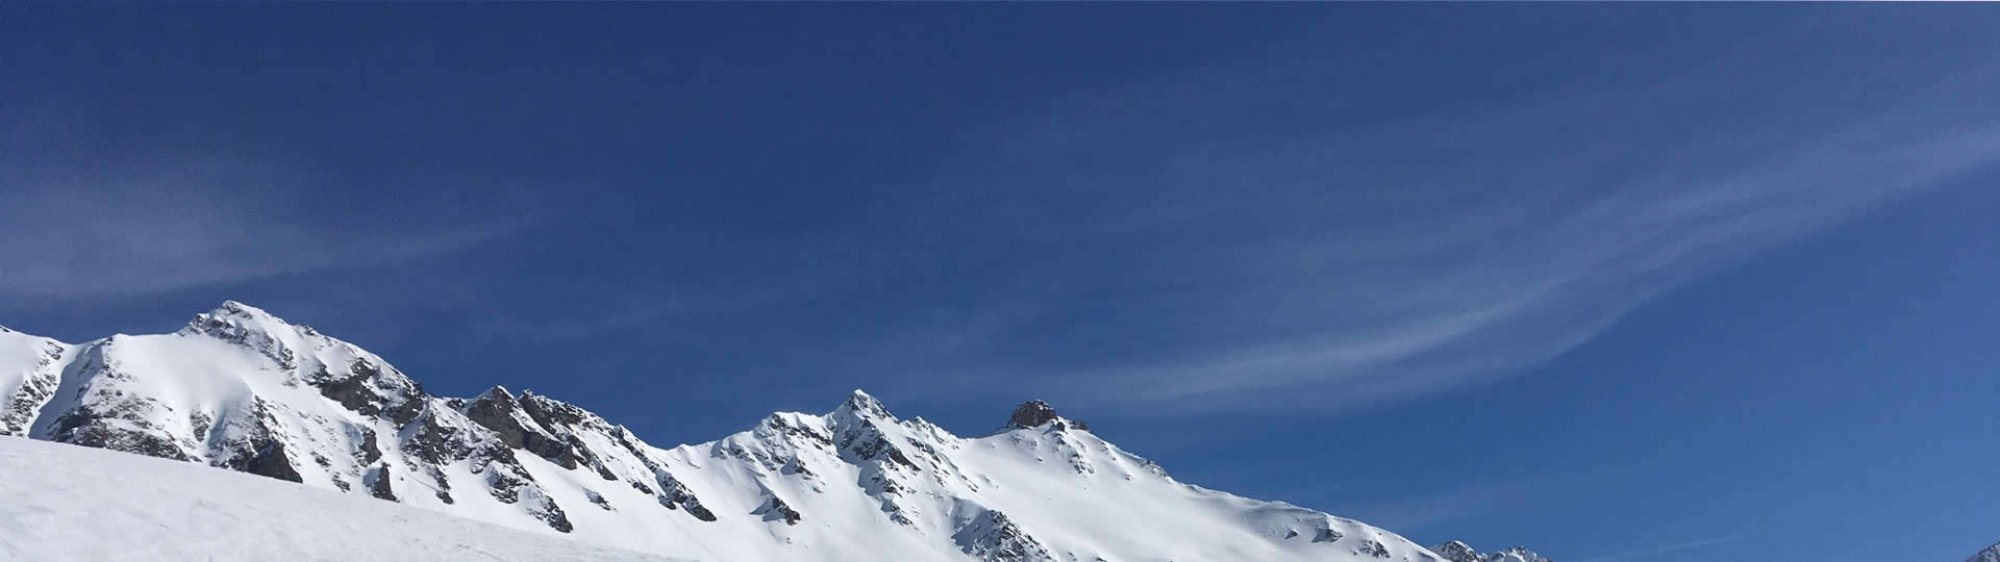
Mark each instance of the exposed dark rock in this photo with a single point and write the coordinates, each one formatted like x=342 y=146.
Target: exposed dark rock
x=369 y=451
x=865 y=442
x=552 y=413
x=495 y=411
x=91 y=425
x=200 y=422
x=268 y=459
x=1458 y=551
x=675 y=495
x=1372 y=548
x=1327 y=535
x=368 y=390
x=780 y=424
x=861 y=404
x=253 y=444
x=434 y=442
x=378 y=483
x=553 y=515
x=18 y=411
x=991 y=536
x=1034 y=413
x=775 y=510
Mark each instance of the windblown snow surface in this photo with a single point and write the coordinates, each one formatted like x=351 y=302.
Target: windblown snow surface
x=60 y=502
x=241 y=389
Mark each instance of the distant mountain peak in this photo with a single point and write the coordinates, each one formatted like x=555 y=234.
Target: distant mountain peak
x=498 y=392
x=861 y=403
x=1991 y=554
x=1459 y=551
x=237 y=321
x=1036 y=413
x=236 y=309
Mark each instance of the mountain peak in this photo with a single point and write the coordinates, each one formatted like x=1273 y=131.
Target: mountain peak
x=1459 y=551
x=233 y=313
x=861 y=403
x=240 y=310
x=497 y=393
x=1036 y=413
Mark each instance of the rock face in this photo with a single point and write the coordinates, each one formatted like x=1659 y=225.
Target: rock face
x=1035 y=413
x=240 y=389
x=989 y=535
x=1457 y=551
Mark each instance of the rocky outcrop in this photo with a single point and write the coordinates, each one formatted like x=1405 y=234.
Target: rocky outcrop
x=989 y=535
x=777 y=510
x=497 y=410
x=21 y=400
x=1458 y=551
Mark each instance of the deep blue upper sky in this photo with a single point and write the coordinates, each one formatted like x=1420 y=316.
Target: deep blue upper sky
x=1621 y=283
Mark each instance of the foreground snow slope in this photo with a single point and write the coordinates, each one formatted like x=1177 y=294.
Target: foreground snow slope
x=60 y=502
x=241 y=389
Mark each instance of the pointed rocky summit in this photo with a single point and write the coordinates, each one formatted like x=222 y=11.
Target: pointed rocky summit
x=1036 y=413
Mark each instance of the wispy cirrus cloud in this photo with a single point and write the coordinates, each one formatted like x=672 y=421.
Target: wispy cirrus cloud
x=117 y=226
x=1293 y=265
x=1660 y=550
x=1406 y=315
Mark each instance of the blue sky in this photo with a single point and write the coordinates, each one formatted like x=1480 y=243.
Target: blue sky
x=1621 y=283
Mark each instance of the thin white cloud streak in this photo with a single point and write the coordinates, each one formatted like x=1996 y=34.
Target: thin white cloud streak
x=1530 y=233
x=1541 y=293
x=126 y=229
x=1654 y=551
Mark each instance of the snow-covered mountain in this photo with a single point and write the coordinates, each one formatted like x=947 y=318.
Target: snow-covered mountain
x=238 y=388
x=66 y=503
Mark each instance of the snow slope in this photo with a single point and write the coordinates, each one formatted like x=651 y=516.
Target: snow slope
x=241 y=389
x=59 y=502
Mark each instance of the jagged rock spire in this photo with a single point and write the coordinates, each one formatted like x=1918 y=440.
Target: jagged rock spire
x=1032 y=413
x=1036 y=413
x=1457 y=551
